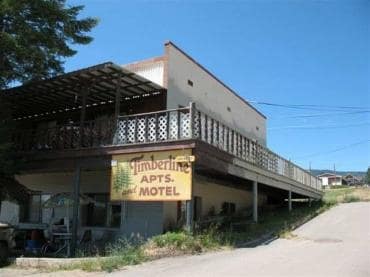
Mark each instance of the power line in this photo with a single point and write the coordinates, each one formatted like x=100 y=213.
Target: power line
x=311 y=106
x=316 y=127
x=334 y=150
x=323 y=114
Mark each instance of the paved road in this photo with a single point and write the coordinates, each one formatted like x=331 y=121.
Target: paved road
x=336 y=243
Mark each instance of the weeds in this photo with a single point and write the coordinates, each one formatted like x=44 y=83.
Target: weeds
x=279 y=223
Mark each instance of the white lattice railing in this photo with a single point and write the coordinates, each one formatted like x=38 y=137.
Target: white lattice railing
x=154 y=127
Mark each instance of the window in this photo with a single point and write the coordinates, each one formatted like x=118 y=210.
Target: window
x=114 y=219
x=197 y=208
x=228 y=208
x=36 y=212
x=190 y=83
x=101 y=213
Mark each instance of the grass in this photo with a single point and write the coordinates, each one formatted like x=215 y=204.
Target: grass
x=273 y=223
x=345 y=195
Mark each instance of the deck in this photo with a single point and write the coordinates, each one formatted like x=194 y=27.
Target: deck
x=217 y=144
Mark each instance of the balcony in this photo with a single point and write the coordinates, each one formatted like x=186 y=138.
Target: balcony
x=162 y=126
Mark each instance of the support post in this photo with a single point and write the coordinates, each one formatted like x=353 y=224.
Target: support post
x=189 y=215
x=190 y=203
x=117 y=108
x=255 y=201
x=290 y=200
x=191 y=116
x=76 y=207
x=83 y=114
x=117 y=105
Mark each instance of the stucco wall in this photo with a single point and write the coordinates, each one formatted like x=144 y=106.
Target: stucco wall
x=210 y=96
x=213 y=196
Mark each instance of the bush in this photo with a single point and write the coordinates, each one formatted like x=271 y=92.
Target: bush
x=186 y=242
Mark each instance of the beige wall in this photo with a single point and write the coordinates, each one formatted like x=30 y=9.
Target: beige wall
x=210 y=96
x=213 y=195
x=91 y=181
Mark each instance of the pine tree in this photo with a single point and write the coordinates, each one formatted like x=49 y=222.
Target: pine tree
x=126 y=176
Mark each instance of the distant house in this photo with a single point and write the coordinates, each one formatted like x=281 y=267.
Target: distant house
x=330 y=179
x=352 y=180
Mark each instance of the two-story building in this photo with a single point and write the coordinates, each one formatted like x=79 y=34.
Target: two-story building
x=146 y=147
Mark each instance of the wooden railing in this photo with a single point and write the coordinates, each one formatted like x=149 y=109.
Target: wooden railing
x=162 y=126
x=70 y=136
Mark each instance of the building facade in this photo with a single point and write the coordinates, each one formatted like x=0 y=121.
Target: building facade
x=329 y=179
x=152 y=146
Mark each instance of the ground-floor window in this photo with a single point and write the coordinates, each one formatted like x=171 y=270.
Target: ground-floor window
x=197 y=208
x=228 y=208
x=100 y=212
x=36 y=209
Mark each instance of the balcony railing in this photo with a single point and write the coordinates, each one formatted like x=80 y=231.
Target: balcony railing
x=162 y=126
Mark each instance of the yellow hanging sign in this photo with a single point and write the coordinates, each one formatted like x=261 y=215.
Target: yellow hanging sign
x=151 y=176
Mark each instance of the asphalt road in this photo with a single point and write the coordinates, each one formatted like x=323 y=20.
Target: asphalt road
x=336 y=243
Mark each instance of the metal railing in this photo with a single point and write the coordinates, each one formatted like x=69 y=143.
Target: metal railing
x=163 y=126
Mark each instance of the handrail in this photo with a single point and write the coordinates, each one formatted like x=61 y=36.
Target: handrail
x=156 y=112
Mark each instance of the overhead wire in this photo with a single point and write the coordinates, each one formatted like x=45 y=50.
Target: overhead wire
x=334 y=150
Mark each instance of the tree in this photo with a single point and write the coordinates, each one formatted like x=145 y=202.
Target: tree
x=367 y=179
x=35 y=37
x=122 y=178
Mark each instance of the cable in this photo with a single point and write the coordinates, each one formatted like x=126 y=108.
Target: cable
x=320 y=115
x=311 y=106
x=318 y=126
x=334 y=150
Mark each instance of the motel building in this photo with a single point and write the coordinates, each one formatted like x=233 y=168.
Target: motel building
x=144 y=148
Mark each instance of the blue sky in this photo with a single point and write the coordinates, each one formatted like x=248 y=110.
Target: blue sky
x=283 y=52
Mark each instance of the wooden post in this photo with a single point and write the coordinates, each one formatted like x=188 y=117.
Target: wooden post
x=191 y=118
x=85 y=92
x=117 y=106
x=76 y=207
x=117 y=109
x=255 y=201
x=290 y=201
x=189 y=214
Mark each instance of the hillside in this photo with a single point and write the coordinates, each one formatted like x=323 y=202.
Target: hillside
x=343 y=173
